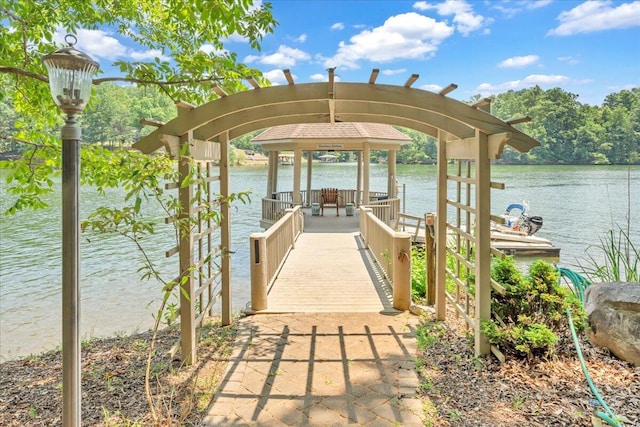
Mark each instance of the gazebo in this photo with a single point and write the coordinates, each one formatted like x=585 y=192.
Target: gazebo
x=340 y=136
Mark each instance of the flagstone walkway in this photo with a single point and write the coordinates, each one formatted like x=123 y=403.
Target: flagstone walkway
x=321 y=369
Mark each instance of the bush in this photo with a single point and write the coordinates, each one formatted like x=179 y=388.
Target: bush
x=418 y=273
x=529 y=318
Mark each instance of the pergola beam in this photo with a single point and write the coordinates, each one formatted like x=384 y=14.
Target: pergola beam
x=411 y=80
x=517 y=120
x=288 y=76
x=253 y=82
x=219 y=91
x=448 y=89
x=374 y=75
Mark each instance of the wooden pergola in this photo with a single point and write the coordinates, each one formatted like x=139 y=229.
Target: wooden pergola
x=467 y=135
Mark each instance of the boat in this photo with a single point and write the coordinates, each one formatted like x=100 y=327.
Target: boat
x=515 y=235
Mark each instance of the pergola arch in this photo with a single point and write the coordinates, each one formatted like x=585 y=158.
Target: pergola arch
x=467 y=133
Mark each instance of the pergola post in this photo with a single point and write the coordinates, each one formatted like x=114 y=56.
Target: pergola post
x=297 y=172
x=441 y=229
x=225 y=230
x=483 y=241
x=391 y=174
x=187 y=295
x=365 y=185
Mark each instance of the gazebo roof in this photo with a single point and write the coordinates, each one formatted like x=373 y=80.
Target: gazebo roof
x=327 y=136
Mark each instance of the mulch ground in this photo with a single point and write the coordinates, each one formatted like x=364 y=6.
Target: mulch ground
x=457 y=388
x=113 y=382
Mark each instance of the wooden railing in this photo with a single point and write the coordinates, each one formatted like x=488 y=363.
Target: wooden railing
x=269 y=251
x=273 y=210
x=392 y=252
x=386 y=210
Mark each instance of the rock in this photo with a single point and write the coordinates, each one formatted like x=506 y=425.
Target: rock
x=614 y=318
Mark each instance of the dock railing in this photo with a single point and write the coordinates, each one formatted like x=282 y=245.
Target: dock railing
x=392 y=252
x=269 y=250
x=273 y=210
x=385 y=209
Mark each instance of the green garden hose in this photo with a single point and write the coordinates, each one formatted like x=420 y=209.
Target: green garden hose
x=580 y=284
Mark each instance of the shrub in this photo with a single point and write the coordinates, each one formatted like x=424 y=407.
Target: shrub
x=418 y=273
x=529 y=318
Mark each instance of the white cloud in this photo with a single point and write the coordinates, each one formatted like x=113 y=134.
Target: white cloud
x=319 y=77
x=571 y=60
x=405 y=36
x=537 y=4
x=394 y=72
x=487 y=89
x=432 y=88
x=593 y=16
x=276 y=77
x=519 y=61
x=337 y=26
x=285 y=57
x=465 y=19
x=301 y=38
x=209 y=49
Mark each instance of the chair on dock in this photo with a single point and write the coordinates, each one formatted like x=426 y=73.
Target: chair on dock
x=329 y=196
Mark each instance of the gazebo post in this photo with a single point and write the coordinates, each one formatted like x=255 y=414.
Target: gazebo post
x=365 y=186
x=309 y=170
x=270 y=187
x=359 y=183
x=391 y=174
x=274 y=179
x=297 y=172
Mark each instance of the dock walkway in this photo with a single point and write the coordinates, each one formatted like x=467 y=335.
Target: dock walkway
x=321 y=369
x=332 y=352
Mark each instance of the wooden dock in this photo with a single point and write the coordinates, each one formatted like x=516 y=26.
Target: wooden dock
x=329 y=272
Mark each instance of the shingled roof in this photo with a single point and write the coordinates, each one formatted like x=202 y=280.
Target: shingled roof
x=332 y=132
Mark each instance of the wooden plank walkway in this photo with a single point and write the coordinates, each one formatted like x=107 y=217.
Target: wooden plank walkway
x=329 y=272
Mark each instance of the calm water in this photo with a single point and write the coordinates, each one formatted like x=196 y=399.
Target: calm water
x=578 y=204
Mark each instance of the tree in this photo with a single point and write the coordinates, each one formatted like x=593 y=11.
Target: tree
x=187 y=37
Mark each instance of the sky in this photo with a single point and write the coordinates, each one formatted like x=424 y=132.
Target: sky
x=589 y=48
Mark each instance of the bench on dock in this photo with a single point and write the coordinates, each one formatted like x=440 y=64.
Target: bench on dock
x=329 y=196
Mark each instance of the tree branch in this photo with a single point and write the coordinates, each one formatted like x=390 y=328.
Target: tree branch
x=21 y=72
x=42 y=78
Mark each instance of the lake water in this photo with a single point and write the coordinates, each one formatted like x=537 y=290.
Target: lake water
x=578 y=205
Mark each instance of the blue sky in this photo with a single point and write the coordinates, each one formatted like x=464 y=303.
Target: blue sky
x=590 y=48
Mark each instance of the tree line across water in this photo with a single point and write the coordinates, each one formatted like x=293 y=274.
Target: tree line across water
x=569 y=132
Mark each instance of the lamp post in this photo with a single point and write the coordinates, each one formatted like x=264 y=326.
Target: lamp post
x=70 y=76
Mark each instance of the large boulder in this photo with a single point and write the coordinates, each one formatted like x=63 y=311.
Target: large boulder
x=614 y=318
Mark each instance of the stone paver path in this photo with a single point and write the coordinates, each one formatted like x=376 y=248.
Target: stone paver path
x=321 y=369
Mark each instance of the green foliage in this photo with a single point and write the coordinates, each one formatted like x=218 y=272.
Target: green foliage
x=573 y=133
x=529 y=319
x=418 y=273
x=615 y=259
x=187 y=41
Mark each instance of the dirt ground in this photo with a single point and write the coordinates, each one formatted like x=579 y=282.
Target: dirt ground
x=457 y=389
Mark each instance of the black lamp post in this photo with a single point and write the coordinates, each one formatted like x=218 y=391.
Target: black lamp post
x=70 y=76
